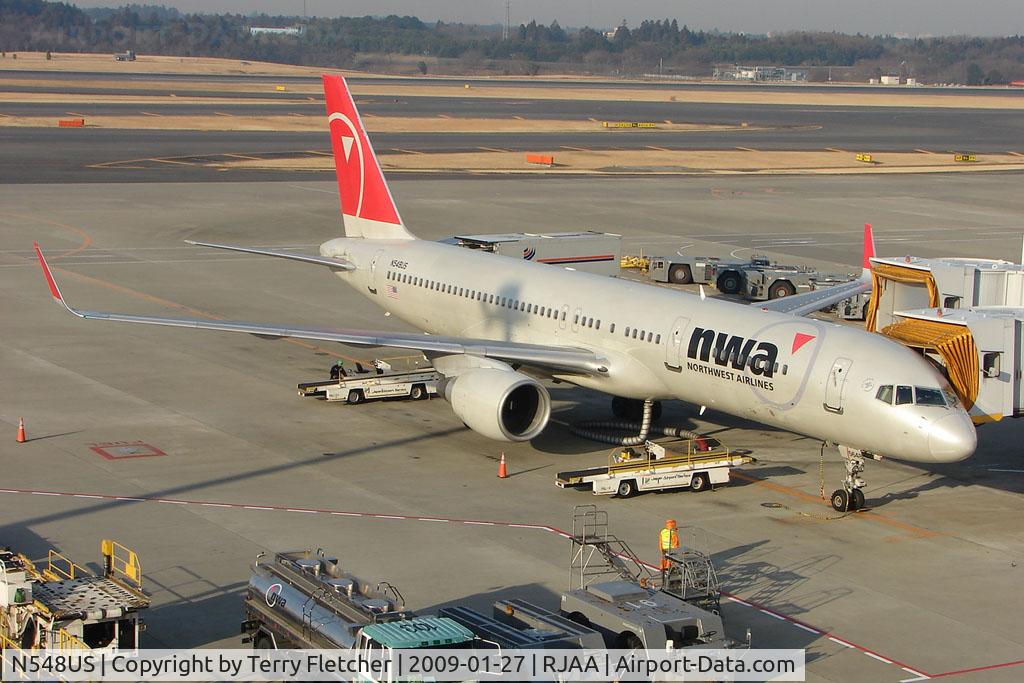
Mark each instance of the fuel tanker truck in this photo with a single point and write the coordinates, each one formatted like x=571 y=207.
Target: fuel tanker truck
x=305 y=600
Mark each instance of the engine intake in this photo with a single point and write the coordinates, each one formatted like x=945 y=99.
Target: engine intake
x=500 y=404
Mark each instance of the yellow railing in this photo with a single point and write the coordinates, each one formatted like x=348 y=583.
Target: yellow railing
x=66 y=641
x=59 y=567
x=121 y=562
x=689 y=451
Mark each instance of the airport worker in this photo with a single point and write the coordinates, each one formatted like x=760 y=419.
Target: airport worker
x=338 y=370
x=669 y=540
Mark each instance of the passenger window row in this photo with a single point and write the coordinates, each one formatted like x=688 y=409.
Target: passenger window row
x=477 y=295
x=517 y=305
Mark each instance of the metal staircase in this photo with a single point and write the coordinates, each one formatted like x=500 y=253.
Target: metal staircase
x=597 y=554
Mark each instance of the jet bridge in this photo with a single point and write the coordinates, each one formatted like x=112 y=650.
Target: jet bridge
x=967 y=315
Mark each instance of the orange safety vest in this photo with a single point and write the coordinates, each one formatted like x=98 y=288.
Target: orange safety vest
x=669 y=540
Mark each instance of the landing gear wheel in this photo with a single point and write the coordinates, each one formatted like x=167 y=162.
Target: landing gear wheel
x=781 y=290
x=418 y=392
x=857 y=500
x=627 y=489
x=840 y=500
x=356 y=396
x=700 y=483
x=728 y=283
x=680 y=274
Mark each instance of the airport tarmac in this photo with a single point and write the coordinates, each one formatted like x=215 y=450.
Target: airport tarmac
x=924 y=582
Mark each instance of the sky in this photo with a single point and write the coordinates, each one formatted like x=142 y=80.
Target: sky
x=896 y=17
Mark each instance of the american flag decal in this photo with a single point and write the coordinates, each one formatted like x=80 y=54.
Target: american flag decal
x=391 y=291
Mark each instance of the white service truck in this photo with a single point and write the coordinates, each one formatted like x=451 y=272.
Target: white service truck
x=697 y=464
x=383 y=381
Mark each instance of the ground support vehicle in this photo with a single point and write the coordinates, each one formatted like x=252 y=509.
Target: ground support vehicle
x=62 y=606
x=698 y=463
x=589 y=250
x=616 y=594
x=304 y=600
x=756 y=279
x=686 y=270
x=854 y=308
x=762 y=280
x=361 y=384
x=517 y=623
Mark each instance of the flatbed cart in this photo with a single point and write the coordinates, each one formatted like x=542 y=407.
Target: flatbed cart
x=60 y=605
x=695 y=463
x=360 y=384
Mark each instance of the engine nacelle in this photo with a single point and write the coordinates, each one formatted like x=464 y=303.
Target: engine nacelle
x=500 y=404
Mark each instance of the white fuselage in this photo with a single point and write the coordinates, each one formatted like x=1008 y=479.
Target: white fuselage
x=804 y=375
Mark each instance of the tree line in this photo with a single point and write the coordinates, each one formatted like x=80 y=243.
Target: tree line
x=406 y=44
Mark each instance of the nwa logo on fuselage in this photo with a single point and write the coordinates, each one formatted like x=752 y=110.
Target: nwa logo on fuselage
x=727 y=349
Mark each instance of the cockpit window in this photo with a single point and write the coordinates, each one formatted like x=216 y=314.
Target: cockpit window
x=885 y=394
x=951 y=398
x=927 y=396
x=904 y=395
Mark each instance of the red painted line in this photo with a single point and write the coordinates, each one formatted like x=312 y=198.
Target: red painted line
x=540 y=527
x=1004 y=665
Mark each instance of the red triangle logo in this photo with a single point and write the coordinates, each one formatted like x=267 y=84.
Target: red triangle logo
x=800 y=339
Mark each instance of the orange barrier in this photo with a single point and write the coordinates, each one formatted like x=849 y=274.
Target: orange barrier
x=71 y=123
x=545 y=159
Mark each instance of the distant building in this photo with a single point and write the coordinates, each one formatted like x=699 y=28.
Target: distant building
x=890 y=80
x=759 y=74
x=268 y=30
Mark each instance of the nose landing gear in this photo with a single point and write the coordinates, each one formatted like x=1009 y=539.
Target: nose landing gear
x=850 y=498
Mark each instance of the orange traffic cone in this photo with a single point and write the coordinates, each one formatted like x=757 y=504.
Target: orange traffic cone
x=21 y=430
x=502 y=470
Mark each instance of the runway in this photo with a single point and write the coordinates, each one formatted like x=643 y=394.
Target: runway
x=62 y=155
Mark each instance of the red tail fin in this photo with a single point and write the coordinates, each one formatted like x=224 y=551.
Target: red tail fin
x=366 y=203
x=869 y=249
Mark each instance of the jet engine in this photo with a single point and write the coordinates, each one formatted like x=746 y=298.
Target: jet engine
x=500 y=404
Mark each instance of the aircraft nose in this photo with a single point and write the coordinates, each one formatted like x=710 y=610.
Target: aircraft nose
x=952 y=438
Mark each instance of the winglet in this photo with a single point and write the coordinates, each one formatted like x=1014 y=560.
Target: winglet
x=869 y=252
x=54 y=289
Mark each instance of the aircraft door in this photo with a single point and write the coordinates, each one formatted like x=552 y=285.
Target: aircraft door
x=576 y=320
x=674 y=345
x=372 y=286
x=562 y=317
x=835 y=387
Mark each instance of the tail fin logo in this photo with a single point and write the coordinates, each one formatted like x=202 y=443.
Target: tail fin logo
x=345 y=130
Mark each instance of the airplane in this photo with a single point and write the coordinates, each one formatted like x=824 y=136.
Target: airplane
x=496 y=327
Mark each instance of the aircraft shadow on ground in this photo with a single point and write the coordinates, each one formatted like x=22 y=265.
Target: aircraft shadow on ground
x=176 y=623
x=779 y=587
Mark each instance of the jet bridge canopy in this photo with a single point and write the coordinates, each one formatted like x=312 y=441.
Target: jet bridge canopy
x=953 y=342
x=967 y=313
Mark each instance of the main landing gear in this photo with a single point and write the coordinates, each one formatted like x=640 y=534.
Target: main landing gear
x=850 y=498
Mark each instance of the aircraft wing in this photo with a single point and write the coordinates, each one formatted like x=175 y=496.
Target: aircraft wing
x=338 y=263
x=559 y=358
x=809 y=302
